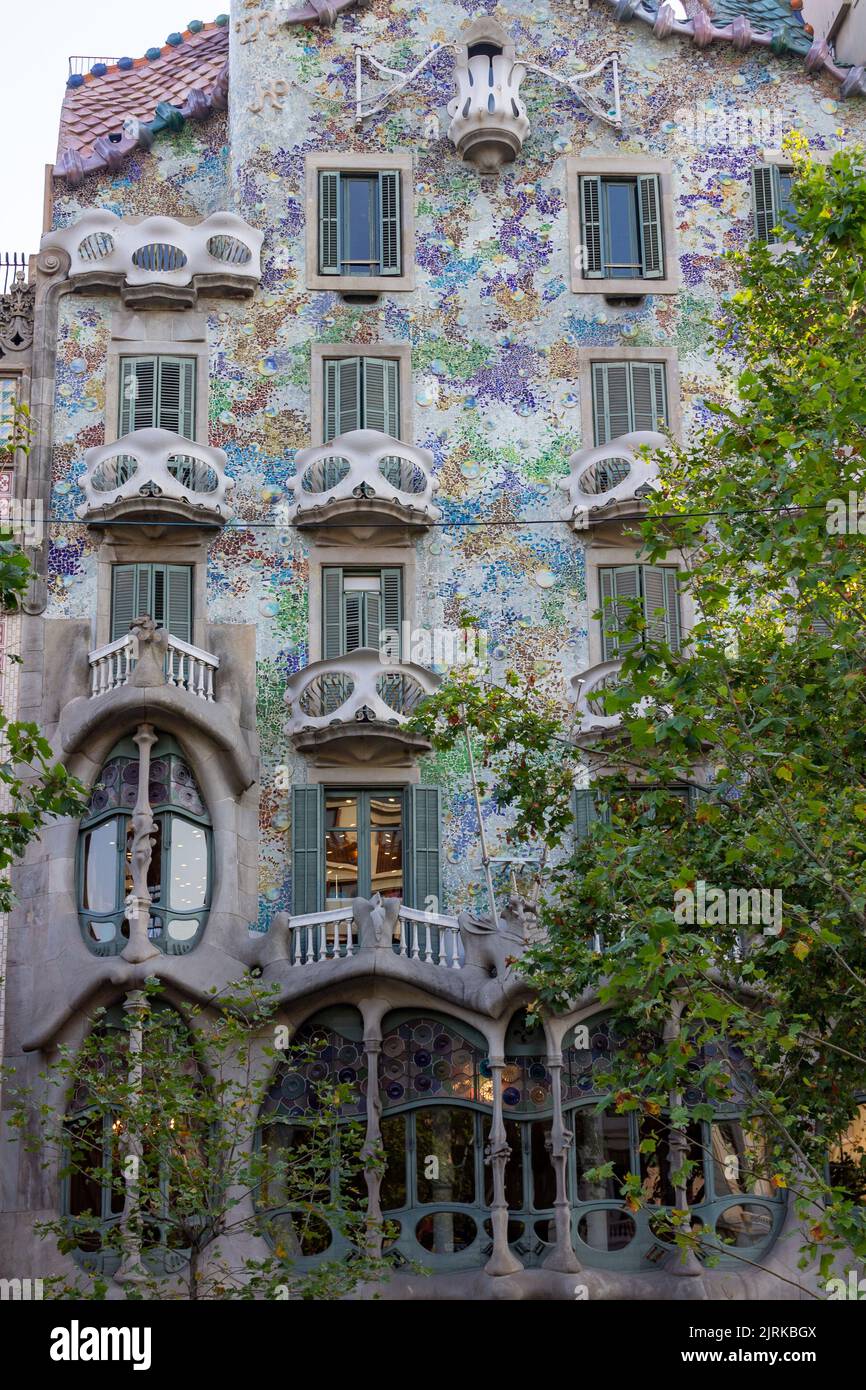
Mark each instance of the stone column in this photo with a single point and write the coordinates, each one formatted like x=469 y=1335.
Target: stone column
x=562 y=1256
x=131 y=1270
x=502 y=1261
x=372 y=1011
x=139 y=946
x=685 y=1264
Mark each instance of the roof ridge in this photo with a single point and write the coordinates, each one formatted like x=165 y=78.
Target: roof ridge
x=152 y=55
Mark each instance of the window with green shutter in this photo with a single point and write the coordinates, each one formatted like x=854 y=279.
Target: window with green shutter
x=361 y=393
x=357 y=606
x=655 y=587
x=621 y=227
x=157 y=392
x=359 y=223
x=628 y=396
x=162 y=591
x=771 y=201
x=360 y=841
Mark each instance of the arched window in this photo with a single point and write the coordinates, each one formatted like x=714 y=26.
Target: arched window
x=436 y=1097
x=94 y=1192
x=727 y=1189
x=306 y=1164
x=180 y=874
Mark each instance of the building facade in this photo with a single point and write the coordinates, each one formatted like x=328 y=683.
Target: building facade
x=350 y=320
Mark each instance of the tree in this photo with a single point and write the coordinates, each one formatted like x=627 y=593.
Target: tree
x=176 y=1147
x=35 y=787
x=765 y=703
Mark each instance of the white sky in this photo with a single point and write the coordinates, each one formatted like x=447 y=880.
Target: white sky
x=36 y=39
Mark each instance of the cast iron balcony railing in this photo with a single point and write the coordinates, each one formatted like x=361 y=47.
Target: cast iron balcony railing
x=186 y=667
x=430 y=938
x=158 y=259
x=610 y=481
x=364 y=478
x=360 y=696
x=155 y=474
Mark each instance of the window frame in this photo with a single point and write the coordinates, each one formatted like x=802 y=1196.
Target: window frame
x=599 y=557
x=184 y=335
x=325 y=352
x=613 y=168
x=587 y=356
x=377 y=162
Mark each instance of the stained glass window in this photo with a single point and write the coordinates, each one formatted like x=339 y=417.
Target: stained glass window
x=426 y=1059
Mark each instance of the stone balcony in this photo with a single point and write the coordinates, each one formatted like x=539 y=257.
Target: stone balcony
x=185 y=667
x=355 y=708
x=155 y=475
x=160 y=261
x=589 y=688
x=610 y=482
x=364 y=485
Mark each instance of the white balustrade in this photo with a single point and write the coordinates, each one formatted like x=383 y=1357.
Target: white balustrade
x=186 y=667
x=322 y=936
x=427 y=937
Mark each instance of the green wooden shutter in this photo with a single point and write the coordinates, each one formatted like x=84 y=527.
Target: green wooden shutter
x=178 y=601
x=389 y=222
x=765 y=201
x=619 y=583
x=123 y=599
x=611 y=400
x=651 y=245
x=342 y=396
x=648 y=395
x=661 y=604
x=333 y=631
x=175 y=406
x=138 y=394
x=382 y=395
x=584 y=812
x=308 y=851
x=329 y=222
x=392 y=604
x=426 y=841
x=590 y=226
x=696 y=795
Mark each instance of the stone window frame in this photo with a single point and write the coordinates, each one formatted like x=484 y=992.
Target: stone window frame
x=401 y=160
x=168 y=334
x=322 y=352
x=377 y=557
x=587 y=355
x=625 y=165
x=119 y=547
x=603 y=556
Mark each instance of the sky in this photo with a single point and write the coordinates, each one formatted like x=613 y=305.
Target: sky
x=37 y=37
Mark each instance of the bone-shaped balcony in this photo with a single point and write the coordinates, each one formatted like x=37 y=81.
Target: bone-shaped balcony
x=611 y=481
x=589 y=689
x=155 y=475
x=156 y=260
x=355 y=708
x=364 y=479
x=489 y=122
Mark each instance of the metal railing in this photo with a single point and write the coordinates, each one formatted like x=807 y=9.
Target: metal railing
x=82 y=63
x=11 y=262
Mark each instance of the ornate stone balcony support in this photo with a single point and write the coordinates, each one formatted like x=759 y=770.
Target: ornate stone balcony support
x=610 y=482
x=355 y=708
x=360 y=480
x=155 y=475
x=160 y=260
x=488 y=120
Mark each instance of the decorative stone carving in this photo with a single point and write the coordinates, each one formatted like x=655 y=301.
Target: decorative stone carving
x=158 y=474
x=608 y=482
x=160 y=258
x=16 y=317
x=489 y=122
x=139 y=947
x=151 y=646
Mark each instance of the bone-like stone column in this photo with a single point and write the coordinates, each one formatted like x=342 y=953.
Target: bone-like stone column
x=140 y=947
x=131 y=1270
x=372 y=1011
x=562 y=1256
x=502 y=1260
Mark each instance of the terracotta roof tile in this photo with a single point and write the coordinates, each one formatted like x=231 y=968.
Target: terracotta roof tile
x=95 y=109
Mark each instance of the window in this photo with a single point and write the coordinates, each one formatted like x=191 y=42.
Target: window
x=655 y=588
x=158 y=391
x=621 y=227
x=359 y=222
x=164 y=592
x=358 y=842
x=7 y=409
x=361 y=393
x=627 y=396
x=771 y=200
x=847 y=1160
x=596 y=803
x=357 y=605
x=180 y=874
